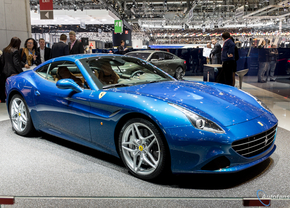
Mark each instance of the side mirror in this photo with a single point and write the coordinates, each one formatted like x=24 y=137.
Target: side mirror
x=68 y=84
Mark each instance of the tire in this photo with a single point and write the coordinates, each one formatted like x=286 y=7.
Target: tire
x=179 y=74
x=20 y=116
x=142 y=149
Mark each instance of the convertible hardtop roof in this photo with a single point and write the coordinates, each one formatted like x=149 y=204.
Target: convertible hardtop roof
x=145 y=51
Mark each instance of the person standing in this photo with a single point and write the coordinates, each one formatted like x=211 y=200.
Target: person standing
x=216 y=52
x=273 y=56
x=60 y=48
x=75 y=46
x=225 y=76
x=237 y=57
x=43 y=51
x=121 y=48
x=264 y=64
x=29 y=55
x=206 y=53
x=11 y=62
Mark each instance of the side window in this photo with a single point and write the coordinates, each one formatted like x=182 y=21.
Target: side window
x=168 y=56
x=66 y=70
x=158 y=56
x=42 y=71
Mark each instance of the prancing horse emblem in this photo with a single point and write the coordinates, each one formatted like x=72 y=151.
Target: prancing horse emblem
x=101 y=94
x=266 y=140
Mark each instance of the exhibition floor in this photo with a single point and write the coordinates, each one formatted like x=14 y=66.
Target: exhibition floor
x=45 y=171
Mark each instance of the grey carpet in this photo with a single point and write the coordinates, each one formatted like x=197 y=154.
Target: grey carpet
x=46 y=166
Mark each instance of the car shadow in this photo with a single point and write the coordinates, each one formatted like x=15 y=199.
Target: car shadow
x=217 y=181
x=83 y=149
x=185 y=181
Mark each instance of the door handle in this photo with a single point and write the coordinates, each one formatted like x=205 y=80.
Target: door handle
x=36 y=92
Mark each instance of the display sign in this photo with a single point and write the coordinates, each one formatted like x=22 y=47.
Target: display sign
x=45 y=5
x=118 y=26
x=46 y=14
x=46 y=9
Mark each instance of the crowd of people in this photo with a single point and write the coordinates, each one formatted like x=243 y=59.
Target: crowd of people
x=14 y=60
x=228 y=55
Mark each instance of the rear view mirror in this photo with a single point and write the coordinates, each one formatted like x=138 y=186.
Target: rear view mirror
x=68 y=84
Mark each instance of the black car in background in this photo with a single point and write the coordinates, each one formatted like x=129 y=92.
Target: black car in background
x=168 y=62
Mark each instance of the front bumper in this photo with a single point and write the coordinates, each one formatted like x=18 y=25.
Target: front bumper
x=192 y=149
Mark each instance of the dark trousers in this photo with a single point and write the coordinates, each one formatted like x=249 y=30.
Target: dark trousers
x=225 y=75
x=2 y=88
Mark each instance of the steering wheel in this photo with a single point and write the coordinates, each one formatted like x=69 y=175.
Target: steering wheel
x=138 y=73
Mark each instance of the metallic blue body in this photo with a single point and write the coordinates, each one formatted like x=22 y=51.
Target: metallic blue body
x=87 y=119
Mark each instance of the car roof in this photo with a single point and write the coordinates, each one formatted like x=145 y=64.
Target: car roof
x=81 y=56
x=144 y=51
x=75 y=57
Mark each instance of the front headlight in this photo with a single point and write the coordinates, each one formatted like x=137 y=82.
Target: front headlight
x=198 y=121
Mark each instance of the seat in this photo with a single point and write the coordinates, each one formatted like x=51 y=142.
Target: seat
x=64 y=73
x=107 y=75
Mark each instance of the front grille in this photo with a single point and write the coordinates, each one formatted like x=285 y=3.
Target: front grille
x=254 y=145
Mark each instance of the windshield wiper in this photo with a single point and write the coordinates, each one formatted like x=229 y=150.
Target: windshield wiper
x=157 y=81
x=116 y=85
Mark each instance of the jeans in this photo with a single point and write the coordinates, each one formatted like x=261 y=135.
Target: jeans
x=271 y=70
x=263 y=68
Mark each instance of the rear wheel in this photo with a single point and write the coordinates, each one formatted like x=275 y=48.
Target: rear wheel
x=142 y=149
x=20 y=116
x=179 y=73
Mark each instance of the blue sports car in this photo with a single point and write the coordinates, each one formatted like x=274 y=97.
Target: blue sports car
x=128 y=108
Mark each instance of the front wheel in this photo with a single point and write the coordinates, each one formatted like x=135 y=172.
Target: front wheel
x=20 y=116
x=142 y=149
x=179 y=74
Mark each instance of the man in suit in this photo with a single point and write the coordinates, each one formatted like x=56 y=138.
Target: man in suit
x=75 y=46
x=121 y=48
x=43 y=51
x=225 y=76
x=60 y=48
x=216 y=52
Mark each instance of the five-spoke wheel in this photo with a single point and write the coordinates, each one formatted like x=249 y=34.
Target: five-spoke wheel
x=19 y=115
x=142 y=149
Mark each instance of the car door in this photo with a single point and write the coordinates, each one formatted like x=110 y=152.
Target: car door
x=157 y=59
x=62 y=110
x=172 y=63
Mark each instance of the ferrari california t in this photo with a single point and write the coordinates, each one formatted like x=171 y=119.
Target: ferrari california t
x=131 y=109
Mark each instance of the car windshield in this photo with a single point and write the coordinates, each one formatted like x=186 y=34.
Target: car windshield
x=120 y=71
x=143 y=56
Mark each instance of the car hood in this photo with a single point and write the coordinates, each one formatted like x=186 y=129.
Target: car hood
x=220 y=103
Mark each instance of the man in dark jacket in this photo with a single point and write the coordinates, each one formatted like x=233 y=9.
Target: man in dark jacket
x=121 y=48
x=43 y=51
x=75 y=46
x=60 y=48
x=225 y=76
x=216 y=52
